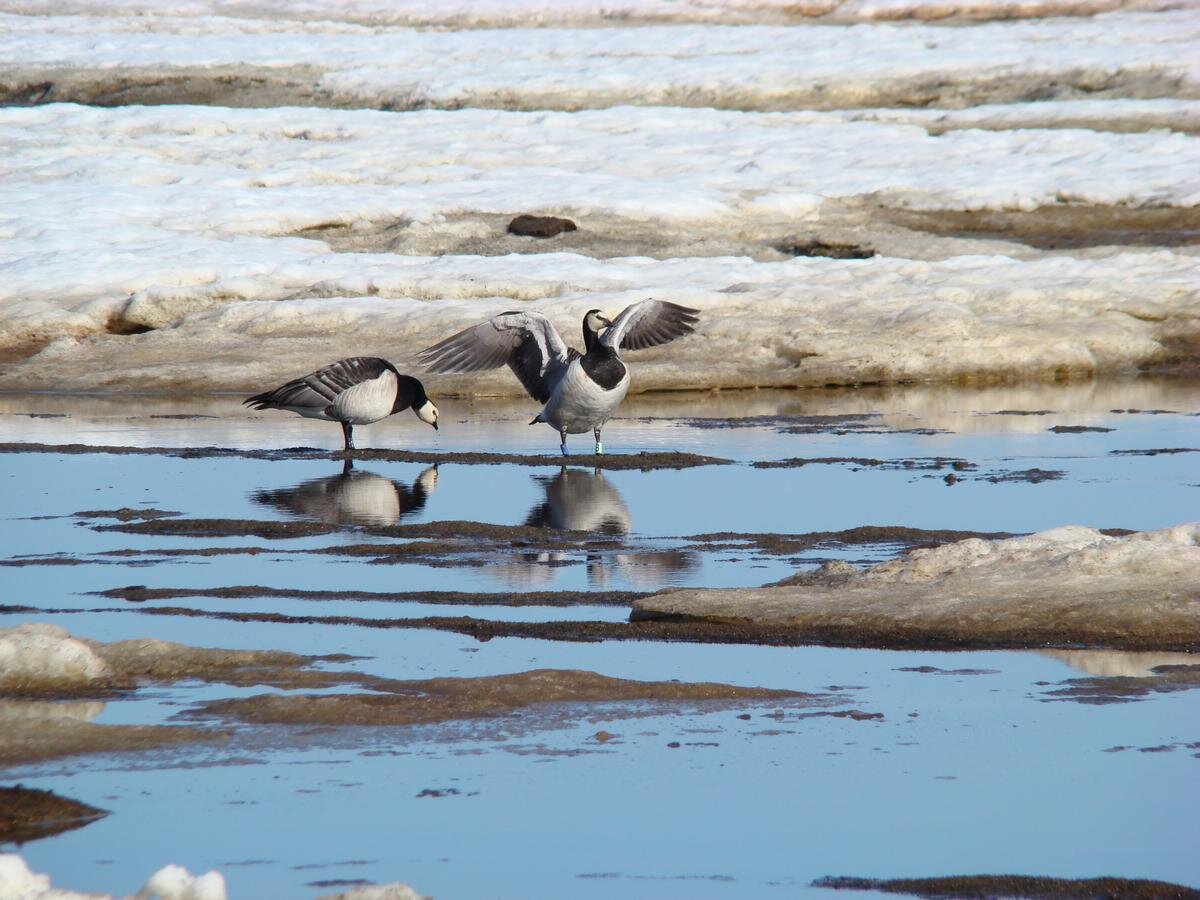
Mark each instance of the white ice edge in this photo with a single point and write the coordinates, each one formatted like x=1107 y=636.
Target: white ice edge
x=750 y=66
x=588 y=13
x=171 y=882
x=1069 y=581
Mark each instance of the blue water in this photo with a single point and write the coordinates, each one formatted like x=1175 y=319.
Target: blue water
x=964 y=774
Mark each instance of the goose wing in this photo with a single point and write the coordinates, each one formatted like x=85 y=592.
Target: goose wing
x=648 y=324
x=527 y=342
x=322 y=387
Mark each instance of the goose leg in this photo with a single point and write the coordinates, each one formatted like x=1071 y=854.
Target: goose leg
x=348 y=434
x=599 y=446
x=563 y=446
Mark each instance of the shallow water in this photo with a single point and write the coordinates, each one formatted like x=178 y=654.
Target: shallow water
x=972 y=768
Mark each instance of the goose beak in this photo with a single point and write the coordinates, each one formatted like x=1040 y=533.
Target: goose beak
x=435 y=427
x=606 y=322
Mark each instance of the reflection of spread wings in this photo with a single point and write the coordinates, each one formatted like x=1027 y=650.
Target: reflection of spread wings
x=527 y=342
x=648 y=324
x=352 y=498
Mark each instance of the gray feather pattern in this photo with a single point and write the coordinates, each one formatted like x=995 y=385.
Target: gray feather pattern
x=527 y=342
x=322 y=387
x=649 y=324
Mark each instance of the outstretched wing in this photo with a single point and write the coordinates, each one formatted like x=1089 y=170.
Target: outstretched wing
x=648 y=324
x=322 y=387
x=527 y=342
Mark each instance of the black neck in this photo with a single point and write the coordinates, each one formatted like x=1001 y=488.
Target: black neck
x=409 y=393
x=591 y=340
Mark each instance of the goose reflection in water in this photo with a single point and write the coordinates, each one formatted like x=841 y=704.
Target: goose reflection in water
x=583 y=500
x=353 y=497
x=579 y=500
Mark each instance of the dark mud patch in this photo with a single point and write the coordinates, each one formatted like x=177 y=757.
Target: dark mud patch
x=899 y=536
x=1153 y=412
x=241 y=85
x=644 y=461
x=27 y=814
x=540 y=226
x=616 y=876
x=467 y=552
x=934 y=670
x=122 y=666
x=220 y=528
x=827 y=249
x=1127 y=689
x=339 y=883
x=438 y=700
x=220 y=85
x=996 y=887
x=30 y=739
x=858 y=463
x=146 y=660
x=1079 y=429
x=654 y=626
x=141 y=594
x=1160 y=451
x=20 y=561
x=430 y=535
x=860 y=423
x=1028 y=476
x=124 y=514
x=449 y=543
x=1063 y=226
x=856 y=715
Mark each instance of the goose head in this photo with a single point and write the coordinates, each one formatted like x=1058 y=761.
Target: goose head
x=427 y=413
x=594 y=322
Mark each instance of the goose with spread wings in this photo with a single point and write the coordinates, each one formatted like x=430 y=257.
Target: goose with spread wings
x=579 y=391
x=355 y=391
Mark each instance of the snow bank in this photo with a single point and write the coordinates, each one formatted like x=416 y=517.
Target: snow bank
x=510 y=13
x=115 y=60
x=18 y=882
x=178 y=220
x=802 y=323
x=37 y=657
x=177 y=883
x=1069 y=585
x=1096 y=115
x=806 y=322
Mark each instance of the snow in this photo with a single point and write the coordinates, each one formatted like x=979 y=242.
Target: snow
x=37 y=656
x=1069 y=585
x=245 y=239
x=18 y=882
x=811 y=321
x=509 y=13
x=1122 y=54
x=181 y=219
x=177 y=883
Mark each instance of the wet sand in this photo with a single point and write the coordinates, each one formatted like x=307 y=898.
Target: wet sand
x=27 y=815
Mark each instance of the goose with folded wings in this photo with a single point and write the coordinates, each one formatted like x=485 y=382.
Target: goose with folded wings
x=354 y=391
x=579 y=391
